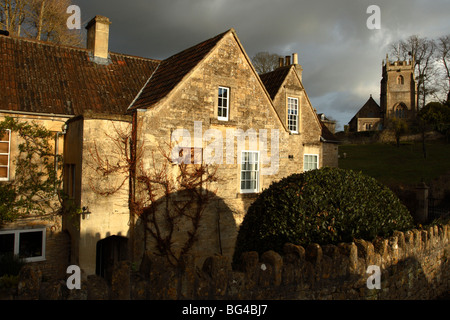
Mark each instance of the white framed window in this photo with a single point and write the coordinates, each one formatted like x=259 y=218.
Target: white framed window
x=250 y=172
x=223 y=109
x=310 y=162
x=28 y=244
x=5 y=154
x=293 y=115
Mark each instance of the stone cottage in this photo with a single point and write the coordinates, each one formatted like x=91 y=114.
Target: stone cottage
x=200 y=123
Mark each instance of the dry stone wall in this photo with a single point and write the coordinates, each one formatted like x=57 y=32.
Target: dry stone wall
x=413 y=265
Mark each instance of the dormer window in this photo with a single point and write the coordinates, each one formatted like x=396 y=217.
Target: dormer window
x=293 y=115
x=223 y=110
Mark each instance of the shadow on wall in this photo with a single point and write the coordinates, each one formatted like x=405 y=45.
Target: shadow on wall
x=177 y=225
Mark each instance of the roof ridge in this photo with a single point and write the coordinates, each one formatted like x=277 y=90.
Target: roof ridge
x=42 y=42
x=199 y=44
x=63 y=46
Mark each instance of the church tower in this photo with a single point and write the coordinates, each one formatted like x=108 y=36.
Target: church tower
x=398 y=90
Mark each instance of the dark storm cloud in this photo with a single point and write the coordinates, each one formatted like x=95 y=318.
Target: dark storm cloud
x=340 y=56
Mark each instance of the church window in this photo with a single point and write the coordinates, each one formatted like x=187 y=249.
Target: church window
x=400 y=111
x=400 y=80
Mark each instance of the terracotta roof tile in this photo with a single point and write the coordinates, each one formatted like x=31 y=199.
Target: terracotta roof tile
x=40 y=77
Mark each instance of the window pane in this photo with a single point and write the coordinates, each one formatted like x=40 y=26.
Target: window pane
x=6 y=244
x=4 y=136
x=3 y=160
x=30 y=244
x=3 y=172
x=4 y=147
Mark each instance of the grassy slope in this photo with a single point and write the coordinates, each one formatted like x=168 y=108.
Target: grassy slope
x=391 y=165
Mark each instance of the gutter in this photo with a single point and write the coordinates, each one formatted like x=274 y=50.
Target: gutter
x=38 y=114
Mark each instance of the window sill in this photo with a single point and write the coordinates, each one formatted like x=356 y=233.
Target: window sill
x=228 y=123
x=35 y=259
x=247 y=195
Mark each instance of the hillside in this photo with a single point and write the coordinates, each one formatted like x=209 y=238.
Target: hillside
x=397 y=166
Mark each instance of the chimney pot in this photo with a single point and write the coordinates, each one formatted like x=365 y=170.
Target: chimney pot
x=281 y=62
x=295 y=58
x=98 y=36
x=288 y=60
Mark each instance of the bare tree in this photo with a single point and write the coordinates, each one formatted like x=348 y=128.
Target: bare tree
x=12 y=15
x=39 y=19
x=443 y=56
x=167 y=195
x=422 y=51
x=265 y=62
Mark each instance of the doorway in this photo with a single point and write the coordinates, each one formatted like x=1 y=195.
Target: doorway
x=110 y=251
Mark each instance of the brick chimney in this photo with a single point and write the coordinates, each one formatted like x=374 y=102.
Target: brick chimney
x=98 y=38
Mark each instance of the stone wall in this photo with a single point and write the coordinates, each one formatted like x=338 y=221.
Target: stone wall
x=413 y=265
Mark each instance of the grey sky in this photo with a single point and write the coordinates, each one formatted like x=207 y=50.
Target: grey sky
x=341 y=57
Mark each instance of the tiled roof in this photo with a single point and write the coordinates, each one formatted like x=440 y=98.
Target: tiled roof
x=274 y=79
x=45 y=78
x=327 y=135
x=370 y=109
x=172 y=71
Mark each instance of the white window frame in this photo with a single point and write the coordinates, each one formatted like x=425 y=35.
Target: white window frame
x=295 y=128
x=9 y=157
x=305 y=162
x=257 y=171
x=226 y=107
x=17 y=234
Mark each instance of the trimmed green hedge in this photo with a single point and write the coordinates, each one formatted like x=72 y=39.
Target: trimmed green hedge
x=325 y=206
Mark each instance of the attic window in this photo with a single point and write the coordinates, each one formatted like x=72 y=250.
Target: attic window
x=5 y=154
x=223 y=110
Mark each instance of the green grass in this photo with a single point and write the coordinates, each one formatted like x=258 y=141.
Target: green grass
x=392 y=166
